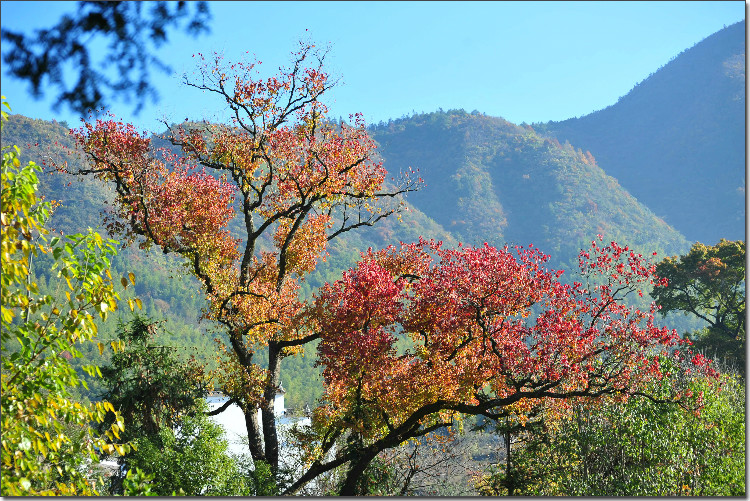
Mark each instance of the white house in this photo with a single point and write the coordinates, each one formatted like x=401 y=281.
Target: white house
x=232 y=419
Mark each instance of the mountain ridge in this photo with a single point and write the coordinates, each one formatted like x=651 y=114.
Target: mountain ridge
x=676 y=140
x=487 y=179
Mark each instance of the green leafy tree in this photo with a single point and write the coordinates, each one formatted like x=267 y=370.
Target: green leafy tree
x=709 y=282
x=160 y=397
x=190 y=460
x=147 y=383
x=635 y=448
x=515 y=477
x=46 y=435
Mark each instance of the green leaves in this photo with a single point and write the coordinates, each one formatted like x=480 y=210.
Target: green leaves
x=636 y=447
x=46 y=435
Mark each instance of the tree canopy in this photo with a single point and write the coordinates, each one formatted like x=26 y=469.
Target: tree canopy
x=296 y=180
x=709 y=282
x=490 y=331
x=493 y=334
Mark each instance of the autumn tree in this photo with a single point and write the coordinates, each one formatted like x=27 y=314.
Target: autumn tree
x=709 y=283
x=293 y=179
x=493 y=333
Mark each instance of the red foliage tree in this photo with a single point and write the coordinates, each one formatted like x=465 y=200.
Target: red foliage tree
x=492 y=334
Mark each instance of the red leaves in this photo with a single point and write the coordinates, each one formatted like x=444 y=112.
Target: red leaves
x=177 y=206
x=480 y=316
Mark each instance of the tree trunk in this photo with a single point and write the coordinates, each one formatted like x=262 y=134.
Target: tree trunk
x=270 y=436
x=356 y=469
x=253 y=434
x=508 y=478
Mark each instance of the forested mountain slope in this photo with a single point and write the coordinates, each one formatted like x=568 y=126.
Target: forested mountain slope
x=485 y=180
x=667 y=160
x=489 y=180
x=677 y=140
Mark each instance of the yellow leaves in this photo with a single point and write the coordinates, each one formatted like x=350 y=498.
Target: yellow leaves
x=7 y=315
x=523 y=419
x=117 y=345
x=132 y=303
x=306 y=245
x=108 y=449
x=39 y=447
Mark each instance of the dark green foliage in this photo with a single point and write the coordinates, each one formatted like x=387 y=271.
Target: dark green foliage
x=160 y=398
x=709 y=283
x=677 y=140
x=147 y=383
x=262 y=480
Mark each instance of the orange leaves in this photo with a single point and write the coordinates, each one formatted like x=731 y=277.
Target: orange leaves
x=299 y=180
x=456 y=304
x=185 y=209
x=314 y=161
x=172 y=204
x=109 y=142
x=306 y=245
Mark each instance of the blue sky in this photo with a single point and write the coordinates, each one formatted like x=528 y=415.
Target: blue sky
x=523 y=61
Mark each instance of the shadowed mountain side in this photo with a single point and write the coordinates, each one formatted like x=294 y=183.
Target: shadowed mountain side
x=677 y=140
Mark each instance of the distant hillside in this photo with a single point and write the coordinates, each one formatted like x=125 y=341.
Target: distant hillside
x=677 y=140
x=489 y=180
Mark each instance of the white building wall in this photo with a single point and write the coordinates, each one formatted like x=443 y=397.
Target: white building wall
x=233 y=422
